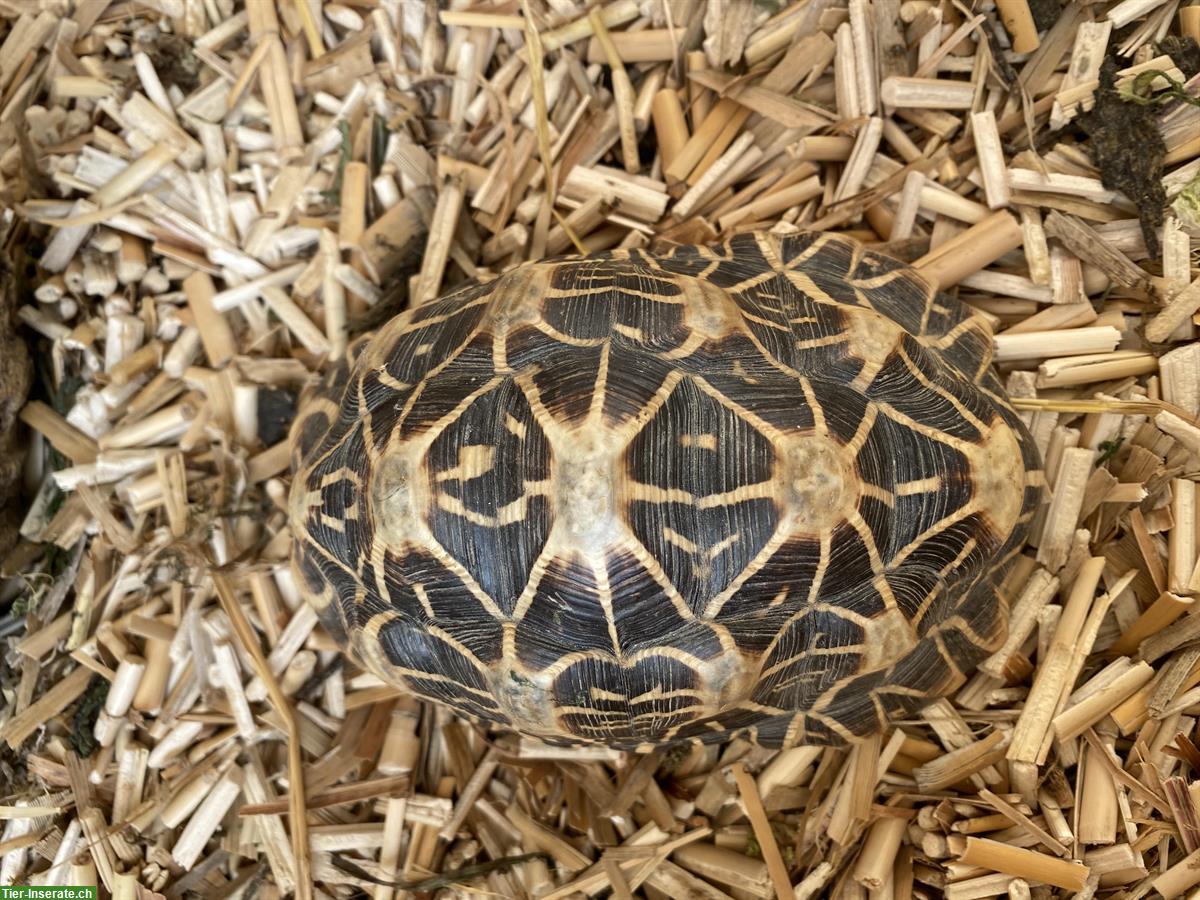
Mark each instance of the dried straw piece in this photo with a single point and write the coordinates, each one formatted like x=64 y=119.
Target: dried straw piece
x=1038 y=591
x=612 y=15
x=215 y=333
x=1018 y=21
x=1164 y=611
x=863 y=38
x=441 y=235
x=815 y=881
x=206 y=819
x=233 y=297
x=547 y=841
x=1016 y=816
x=991 y=158
x=1086 y=243
x=752 y=803
x=726 y=867
x=699 y=100
x=1179 y=309
x=1026 y=864
x=1064 y=509
x=1180 y=877
x=703 y=140
x=65 y=692
x=865 y=147
x=825 y=148
x=1051 y=684
x=901 y=92
x=189 y=791
x=295 y=320
x=152 y=687
x=1181 y=547
x=62 y=435
x=774 y=203
x=1026 y=345
x=334 y=295
x=623 y=94
x=135 y=175
x=852 y=807
x=1184 y=432
x=877 y=860
x=640 y=198
x=958 y=765
x=394 y=241
x=124 y=686
x=972 y=250
x=670 y=127
x=298 y=815
x=1074 y=720
x=706 y=185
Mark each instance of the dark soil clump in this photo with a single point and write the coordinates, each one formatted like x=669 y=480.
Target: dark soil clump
x=86 y=714
x=15 y=381
x=175 y=62
x=1128 y=150
x=1045 y=12
x=276 y=409
x=1184 y=51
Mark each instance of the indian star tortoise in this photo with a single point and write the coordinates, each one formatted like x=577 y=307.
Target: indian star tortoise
x=768 y=488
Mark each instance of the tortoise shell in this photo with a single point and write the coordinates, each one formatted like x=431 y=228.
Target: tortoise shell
x=768 y=487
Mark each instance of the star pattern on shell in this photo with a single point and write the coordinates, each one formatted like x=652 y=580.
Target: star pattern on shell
x=769 y=487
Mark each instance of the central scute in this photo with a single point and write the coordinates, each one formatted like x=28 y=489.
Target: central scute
x=817 y=477
x=635 y=499
x=585 y=489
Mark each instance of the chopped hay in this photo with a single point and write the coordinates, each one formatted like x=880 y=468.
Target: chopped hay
x=220 y=195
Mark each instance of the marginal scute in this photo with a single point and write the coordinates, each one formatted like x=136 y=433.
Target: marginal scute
x=527 y=700
x=725 y=682
x=999 y=476
x=871 y=338
x=709 y=311
x=889 y=637
x=518 y=297
x=768 y=488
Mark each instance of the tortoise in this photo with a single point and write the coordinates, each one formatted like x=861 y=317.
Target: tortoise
x=765 y=488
